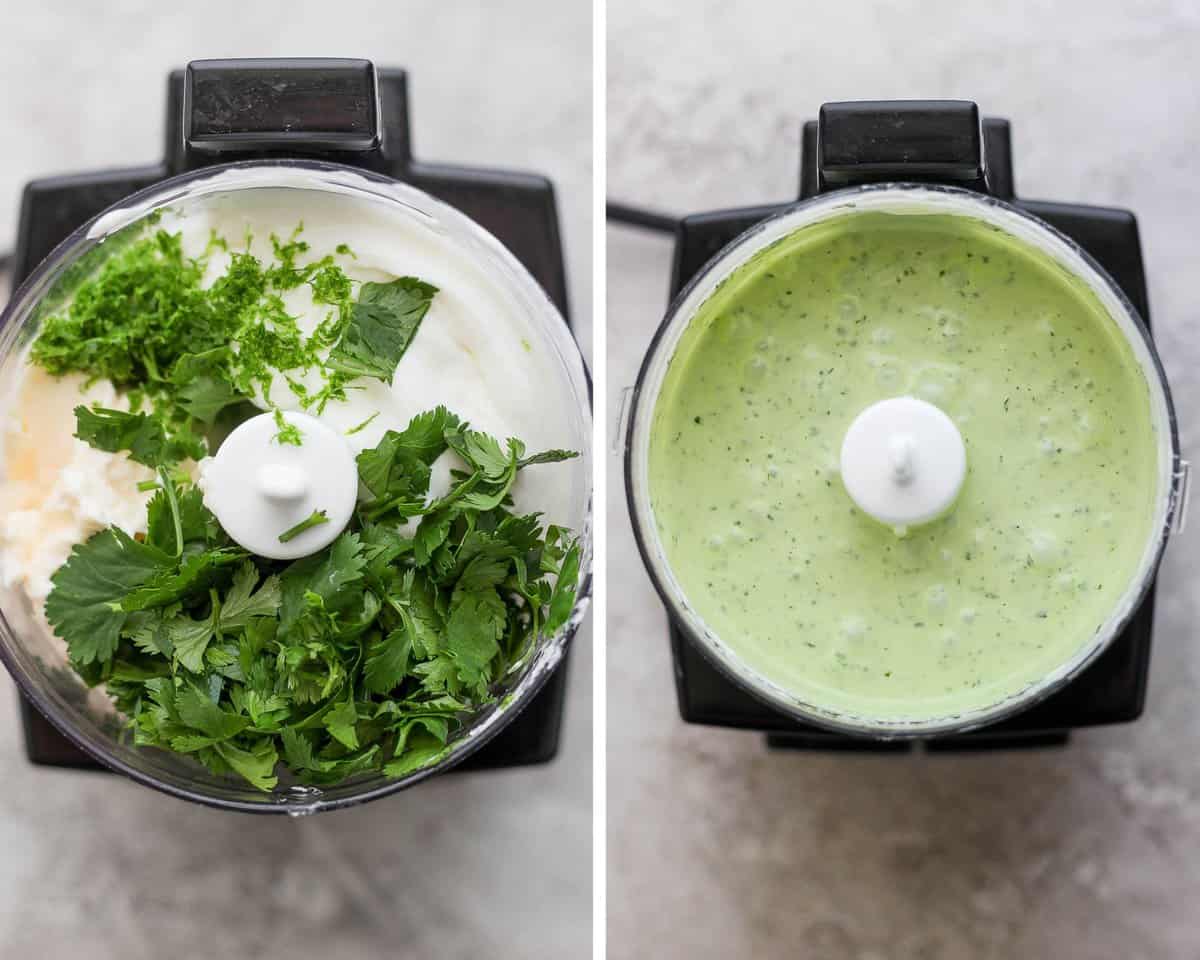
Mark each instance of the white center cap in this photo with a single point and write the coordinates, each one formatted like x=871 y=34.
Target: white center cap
x=259 y=487
x=903 y=462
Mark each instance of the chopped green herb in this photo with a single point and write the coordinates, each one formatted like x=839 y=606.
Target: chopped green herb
x=314 y=519
x=287 y=432
x=362 y=426
x=147 y=322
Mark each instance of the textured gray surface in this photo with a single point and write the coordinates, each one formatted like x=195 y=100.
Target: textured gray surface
x=718 y=849
x=493 y=865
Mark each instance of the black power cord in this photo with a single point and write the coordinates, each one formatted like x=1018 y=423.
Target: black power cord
x=640 y=217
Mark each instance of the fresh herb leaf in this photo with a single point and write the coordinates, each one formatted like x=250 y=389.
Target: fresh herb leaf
x=195 y=523
x=562 y=600
x=421 y=749
x=243 y=602
x=144 y=436
x=84 y=606
x=341 y=721
x=200 y=712
x=388 y=660
x=257 y=764
x=473 y=630
x=202 y=383
x=332 y=576
x=197 y=572
x=190 y=639
x=382 y=324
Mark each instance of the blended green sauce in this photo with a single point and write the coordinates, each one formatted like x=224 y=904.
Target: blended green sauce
x=1062 y=465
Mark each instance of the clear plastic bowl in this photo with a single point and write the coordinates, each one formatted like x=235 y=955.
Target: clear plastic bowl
x=38 y=664
x=896 y=198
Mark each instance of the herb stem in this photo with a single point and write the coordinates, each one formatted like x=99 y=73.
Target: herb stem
x=362 y=426
x=314 y=519
x=173 y=503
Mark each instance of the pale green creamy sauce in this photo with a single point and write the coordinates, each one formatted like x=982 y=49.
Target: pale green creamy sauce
x=1062 y=465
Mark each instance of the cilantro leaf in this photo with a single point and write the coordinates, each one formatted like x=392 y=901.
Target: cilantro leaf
x=84 y=606
x=432 y=532
x=243 y=602
x=190 y=639
x=197 y=572
x=382 y=545
x=388 y=661
x=298 y=750
x=473 y=630
x=563 y=598
x=482 y=451
x=143 y=436
x=396 y=471
x=382 y=324
x=198 y=711
x=329 y=575
x=425 y=435
x=202 y=383
x=256 y=764
x=340 y=722
x=421 y=750
x=196 y=522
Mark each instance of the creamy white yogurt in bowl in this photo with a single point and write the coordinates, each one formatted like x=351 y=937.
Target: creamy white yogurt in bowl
x=491 y=348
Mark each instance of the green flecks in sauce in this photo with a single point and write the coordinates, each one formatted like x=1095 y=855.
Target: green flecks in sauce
x=1062 y=463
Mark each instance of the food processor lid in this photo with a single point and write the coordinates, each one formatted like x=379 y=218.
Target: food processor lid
x=281 y=496
x=903 y=462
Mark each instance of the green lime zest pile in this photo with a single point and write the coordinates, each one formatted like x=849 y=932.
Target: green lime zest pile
x=148 y=323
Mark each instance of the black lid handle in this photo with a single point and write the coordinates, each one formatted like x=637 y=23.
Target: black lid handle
x=233 y=109
x=869 y=141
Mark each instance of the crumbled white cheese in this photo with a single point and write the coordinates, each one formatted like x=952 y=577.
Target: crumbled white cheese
x=57 y=491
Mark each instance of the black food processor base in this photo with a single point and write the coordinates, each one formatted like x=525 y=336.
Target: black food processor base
x=343 y=111
x=834 y=154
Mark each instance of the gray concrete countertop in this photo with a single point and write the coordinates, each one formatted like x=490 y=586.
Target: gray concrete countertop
x=719 y=849
x=473 y=865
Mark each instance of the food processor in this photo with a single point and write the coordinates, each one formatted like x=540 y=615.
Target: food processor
x=935 y=156
x=340 y=127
